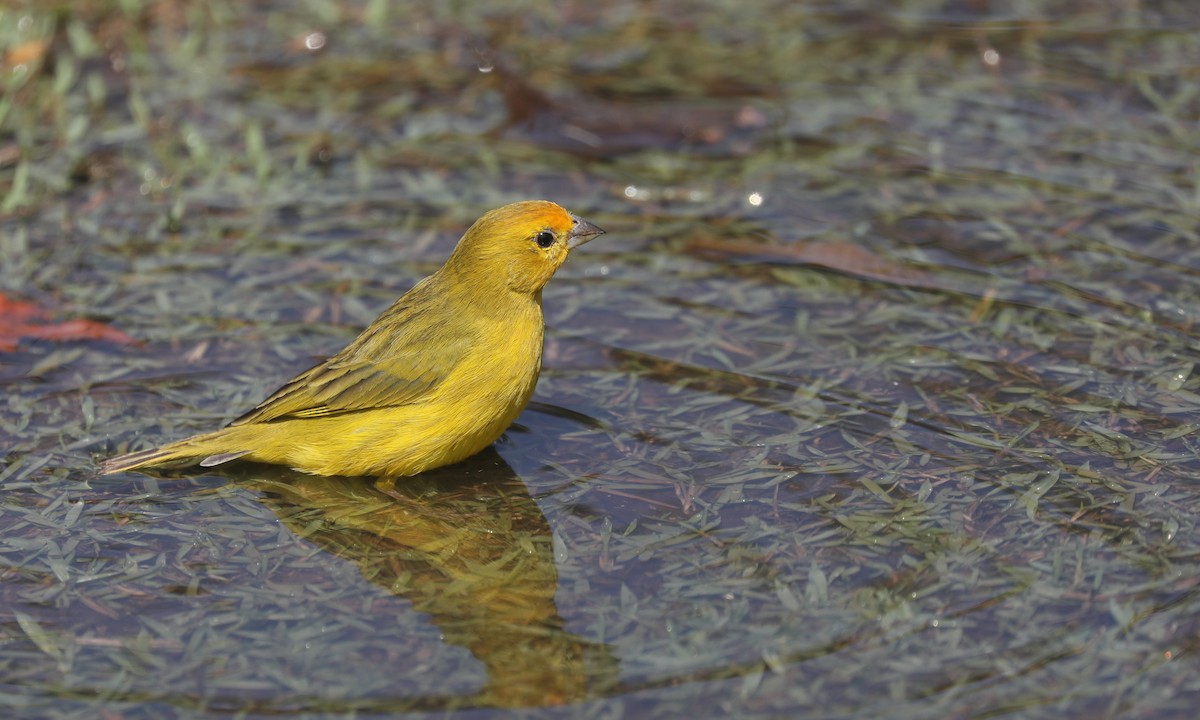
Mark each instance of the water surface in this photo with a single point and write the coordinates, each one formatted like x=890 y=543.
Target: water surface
x=877 y=400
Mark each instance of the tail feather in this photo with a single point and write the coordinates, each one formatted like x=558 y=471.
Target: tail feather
x=224 y=457
x=143 y=458
x=205 y=450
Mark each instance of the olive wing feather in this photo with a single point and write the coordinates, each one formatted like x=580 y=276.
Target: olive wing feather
x=379 y=369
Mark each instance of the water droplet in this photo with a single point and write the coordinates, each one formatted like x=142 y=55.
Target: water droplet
x=314 y=41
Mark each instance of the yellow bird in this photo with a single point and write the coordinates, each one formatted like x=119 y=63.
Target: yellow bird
x=435 y=379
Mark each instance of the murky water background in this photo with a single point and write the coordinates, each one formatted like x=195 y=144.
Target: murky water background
x=877 y=400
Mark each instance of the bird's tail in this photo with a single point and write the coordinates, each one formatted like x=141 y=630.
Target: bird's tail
x=204 y=450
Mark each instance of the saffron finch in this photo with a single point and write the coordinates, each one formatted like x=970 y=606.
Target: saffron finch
x=435 y=379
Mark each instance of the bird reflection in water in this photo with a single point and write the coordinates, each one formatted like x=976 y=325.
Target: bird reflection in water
x=469 y=546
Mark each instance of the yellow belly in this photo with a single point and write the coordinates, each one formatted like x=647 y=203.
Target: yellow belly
x=388 y=442
x=465 y=414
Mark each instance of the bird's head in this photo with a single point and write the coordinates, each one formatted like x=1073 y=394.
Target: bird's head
x=519 y=246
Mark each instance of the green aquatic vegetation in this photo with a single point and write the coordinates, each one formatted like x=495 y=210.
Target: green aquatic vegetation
x=946 y=472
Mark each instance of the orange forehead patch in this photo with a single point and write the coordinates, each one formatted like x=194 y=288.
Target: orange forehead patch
x=532 y=215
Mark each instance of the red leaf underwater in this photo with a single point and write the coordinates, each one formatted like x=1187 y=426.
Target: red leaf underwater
x=19 y=320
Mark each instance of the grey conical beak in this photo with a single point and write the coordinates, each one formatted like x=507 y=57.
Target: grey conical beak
x=581 y=233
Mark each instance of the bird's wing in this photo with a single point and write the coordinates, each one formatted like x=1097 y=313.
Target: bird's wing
x=399 y=365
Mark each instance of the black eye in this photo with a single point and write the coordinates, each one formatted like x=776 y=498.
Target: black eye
x=544 y=239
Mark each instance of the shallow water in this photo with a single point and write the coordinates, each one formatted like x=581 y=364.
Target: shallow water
x=877 y=400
